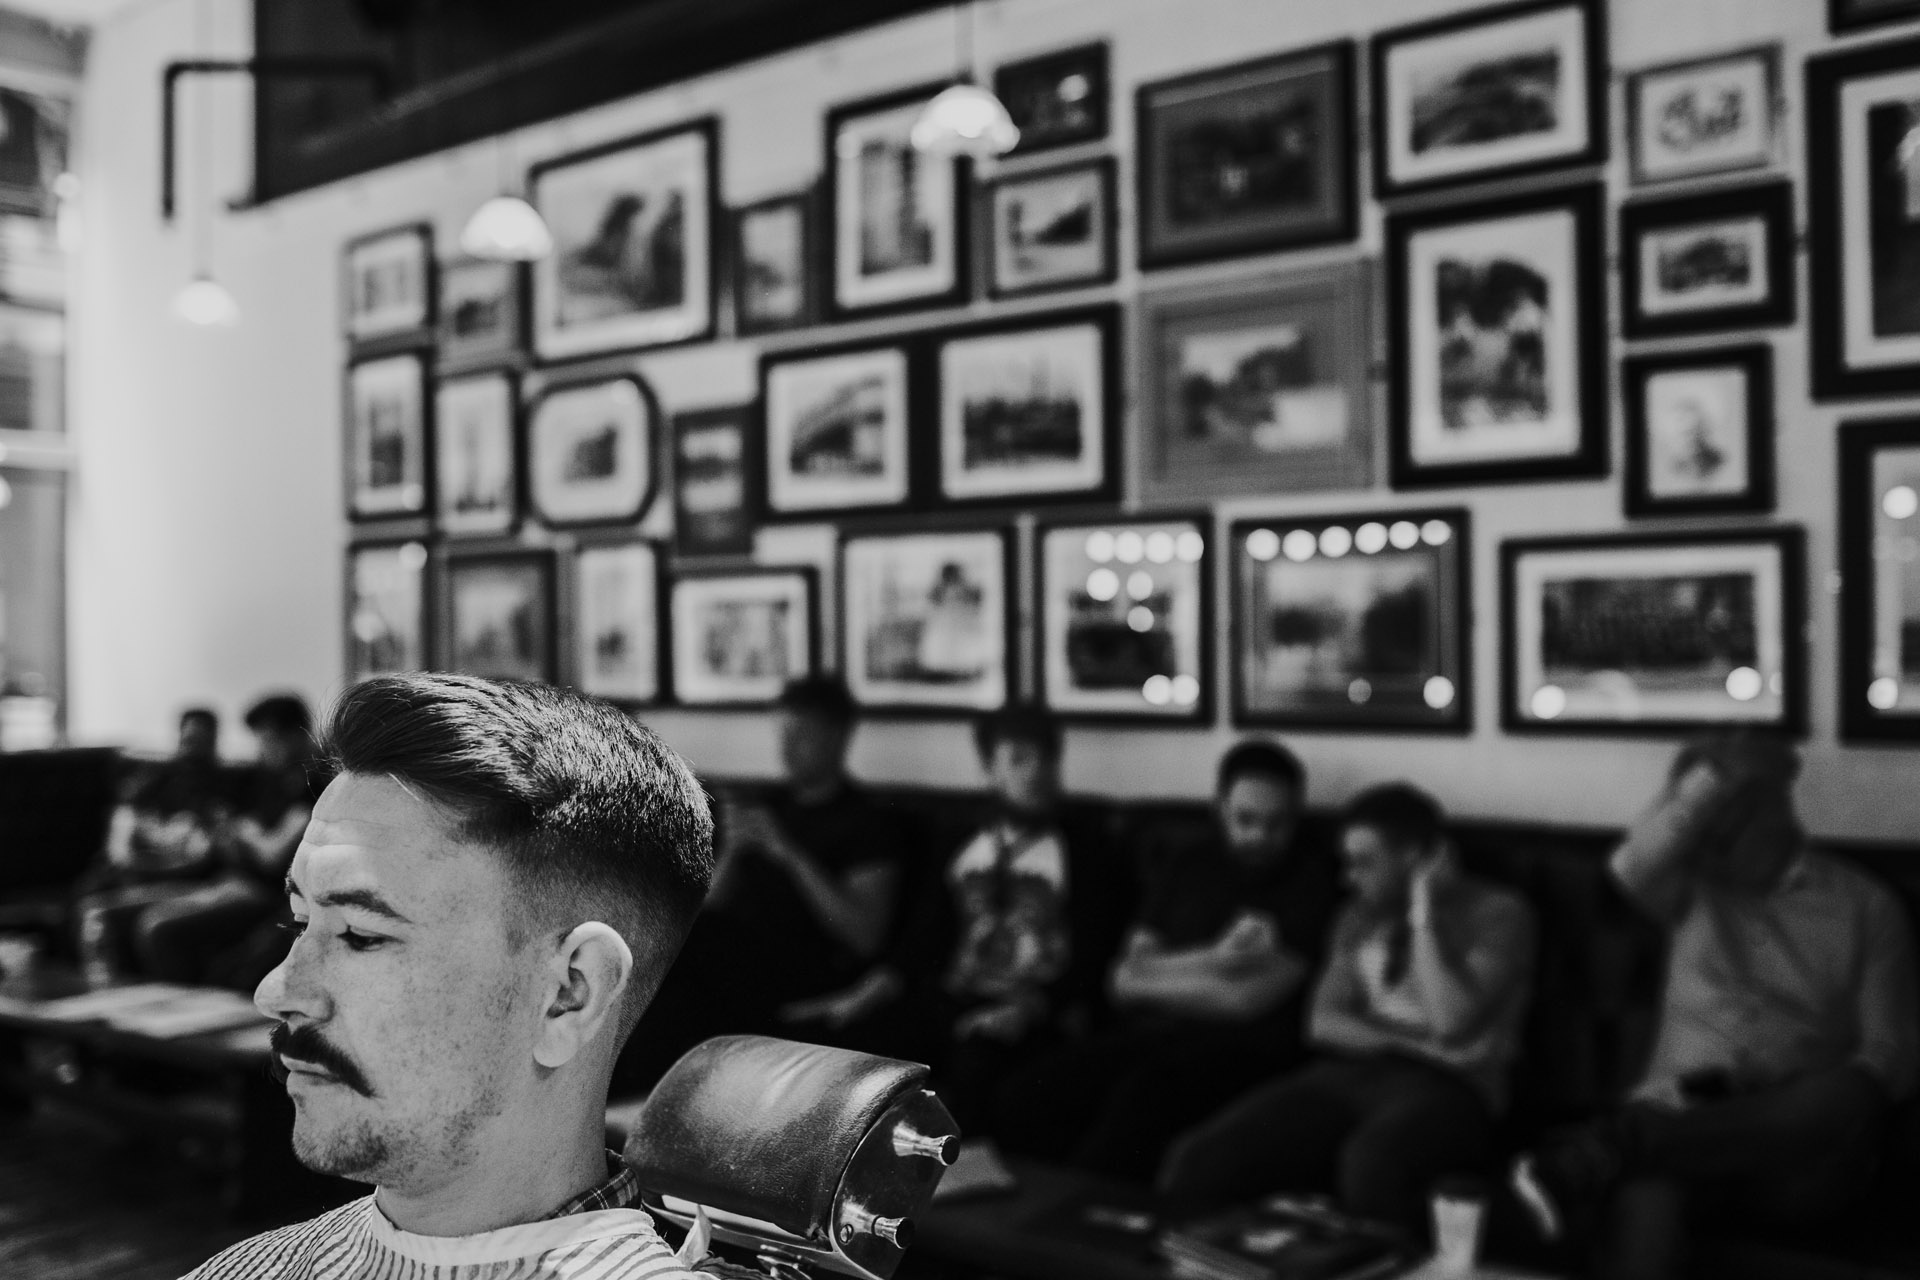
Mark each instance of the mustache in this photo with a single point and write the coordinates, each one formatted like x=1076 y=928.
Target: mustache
x=306 y=1044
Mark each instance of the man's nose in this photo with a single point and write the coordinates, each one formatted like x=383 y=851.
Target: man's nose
x=289 y=989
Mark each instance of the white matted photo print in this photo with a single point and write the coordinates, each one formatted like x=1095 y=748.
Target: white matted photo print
x=387 y=437
x=389 y=278
x=1699 y=431
x=590 y=452
x=924 y=620
x=616 y=640
x=473 y=457
x=895 y=222
x=739 y=637
x=386 y=608
x=1707 y=115
x=836 y=430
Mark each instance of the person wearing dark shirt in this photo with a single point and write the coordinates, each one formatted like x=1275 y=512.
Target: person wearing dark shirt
x=1208 y=985
x=803 y=896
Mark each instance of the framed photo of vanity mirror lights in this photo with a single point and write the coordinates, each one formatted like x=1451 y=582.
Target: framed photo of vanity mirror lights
x=1880 y=580
x=927 y=619
x=1354 y=621
x=1125 y=619
x=1639 y=633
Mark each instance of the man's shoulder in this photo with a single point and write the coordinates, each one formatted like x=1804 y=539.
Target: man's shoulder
x=282 y=1250
x=1834 y=875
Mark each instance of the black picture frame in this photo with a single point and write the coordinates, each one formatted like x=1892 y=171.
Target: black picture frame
x=1008 y=633
x=1166 y=706
x=1708 y=124
x=539 y=562
x=804 y=207
x=779 y=496
x=1872 y=689
x=1851 y=358
x=1753 y=365
x=1767 y=207
x=959 y=288
x=1104 y=234
x=1779 y=548
x=1401 y=42
x=579 y=609
x=540 y=503
x=412 y=244
x=1438 y=544
x=415 y=498
x=480 y=315
x=951 y=489
x=1334 y=216
x=685 y=682
x=1584 y=349
x=1844 y=16
x=716 y=493
x=1048 y=108
x=624 y=333
x=447 y=503
x=413 y=557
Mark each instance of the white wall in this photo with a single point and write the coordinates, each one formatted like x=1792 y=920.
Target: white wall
x=208 y=535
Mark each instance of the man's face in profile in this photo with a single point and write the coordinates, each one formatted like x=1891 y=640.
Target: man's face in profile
x=408 y=1013
x=1258 y=815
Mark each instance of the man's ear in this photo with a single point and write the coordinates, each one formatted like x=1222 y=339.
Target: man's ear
x=590 y=968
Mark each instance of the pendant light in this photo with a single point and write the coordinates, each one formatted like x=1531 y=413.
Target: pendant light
x=965 y=119
x=506 y=228
x=203 y=300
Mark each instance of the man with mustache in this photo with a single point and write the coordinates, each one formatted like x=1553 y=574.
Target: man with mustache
x=486 y=898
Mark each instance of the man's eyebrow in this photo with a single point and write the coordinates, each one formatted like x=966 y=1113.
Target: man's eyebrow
x=365 y=899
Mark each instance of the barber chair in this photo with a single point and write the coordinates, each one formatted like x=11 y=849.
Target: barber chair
x=805 y=1155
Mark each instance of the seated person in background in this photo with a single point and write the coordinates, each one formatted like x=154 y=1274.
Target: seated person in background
x=213 y=934
x=1209 y=986
x=803 y=894
x=1788 y=1025
x=987 y=970
x=160 y=843
x=1416 y=1019
x=487 y=896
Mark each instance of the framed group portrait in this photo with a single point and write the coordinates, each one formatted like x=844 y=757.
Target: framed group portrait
x=501 y=615
x=482 y=313
x=476 y=453
x=1863 y=240
x=618 y=612
x=1056 y=99
x=1704 y=116
x=635 y=226
x=897 y=217
x=1248 y=158
x=927 y=620
x=1699 y=431
x=776 y=282
x=591 y=451
x=1030 y=409
x=1353 y=622
x=1640 y=633
x=1496 y=92
x=1259 y=385
x=739 y=635
x=387 y=439
x=1722 y=260
x=834 y=429
x=715 y=462
x=389 y=285
x=1051 y=229
x=1880 y=580
x=1496 y=343
x=1125 y=621
x=386 y=608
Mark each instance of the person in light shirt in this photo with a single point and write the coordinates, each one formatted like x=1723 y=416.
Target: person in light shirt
x=1788 y=1027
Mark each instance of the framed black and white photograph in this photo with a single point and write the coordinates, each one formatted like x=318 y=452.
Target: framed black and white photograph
x=635 y=226
x=1644 y=633
x=482 y=314
x=897 y=233
x=1353 y=622
x=1880 y=580
x=1704 y=116
x=386 y=608
x=1248 y=158
x=1496 y=92
x=714 y=464
x=835 y=430
x=1260 y=385
x=1030 y=409
x=1056 y=99
x=476 y=454
x=927 y=620
x=387 y=464
x=501 y=617
x=37 y=113
x=1125 y=622
x=590 y=451
x=1723 y=260
x=775 y=276
x=389 y=284
x=1699 y=431
x=1051 y=229
x=1496 y=350
x=738 y=636
x=33 y=367
x=1856 y=15
x=1863 y=235
x=617 y=619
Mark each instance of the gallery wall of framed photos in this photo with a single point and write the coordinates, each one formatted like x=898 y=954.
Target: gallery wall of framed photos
x=1281 y=380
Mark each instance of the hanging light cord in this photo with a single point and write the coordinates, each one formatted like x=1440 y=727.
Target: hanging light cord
x=200 y=233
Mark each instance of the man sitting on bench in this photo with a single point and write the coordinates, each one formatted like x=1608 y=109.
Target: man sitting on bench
x=1787 y=1028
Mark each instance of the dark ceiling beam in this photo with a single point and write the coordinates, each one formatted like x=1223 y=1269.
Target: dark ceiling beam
x=656 y=45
